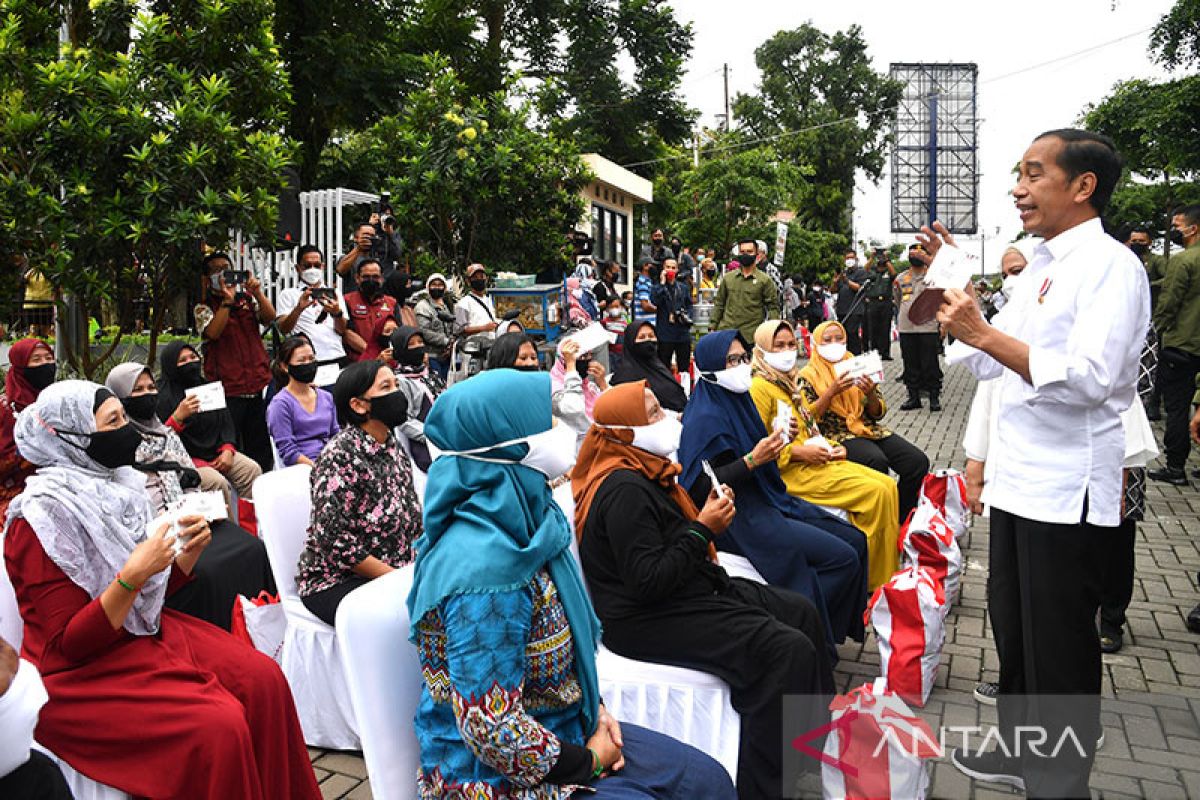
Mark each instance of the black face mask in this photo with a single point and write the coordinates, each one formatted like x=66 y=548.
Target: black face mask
x=645 y=350
x=1176 y=237
x=142 y=406
x=437 y=294
x=710 y=272
x=191 y=374
x=111 y=449
x=390 y=409
x=527 y=367
x=478 y=284
x=1139 y=249
x=581 y=366
x=303 y=373
x=369 y=287
x=747 y=259
x=411 y=357
x=916 y=262
x=41 y=376
x=656 y=242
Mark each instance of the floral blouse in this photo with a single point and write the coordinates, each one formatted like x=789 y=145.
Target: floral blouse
x=833 y=427
x=363 y=504
x=500 y=697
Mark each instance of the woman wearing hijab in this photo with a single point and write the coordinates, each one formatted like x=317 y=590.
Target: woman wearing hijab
x=379 y=344
x=514 y=351
x=420 y=385
x=436 y=321
x=209 y=436
x=235 y=562
x=510 y=705
x=647 y=554
x=814 y=469
x=142 y=698
x=365 y=511
x=577 y=380
x=31 y=369
x=640 y=362
x=848 y=412
x=790 y=542
x=577 y=314
x=301 y=416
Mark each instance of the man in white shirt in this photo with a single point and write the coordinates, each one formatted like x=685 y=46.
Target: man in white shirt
x=1065 y=349
x=313 y=309
x=474 y=313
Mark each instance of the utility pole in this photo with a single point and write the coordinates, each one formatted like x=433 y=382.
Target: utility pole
x=728 y=121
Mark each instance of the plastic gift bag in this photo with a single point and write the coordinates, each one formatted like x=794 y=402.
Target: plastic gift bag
x=908 y=615
x=876 y=748
x=926 y=539
x=946 y=490
x=261 y=622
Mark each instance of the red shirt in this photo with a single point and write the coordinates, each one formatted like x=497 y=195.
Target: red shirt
x=237 y=358
x=364 y=316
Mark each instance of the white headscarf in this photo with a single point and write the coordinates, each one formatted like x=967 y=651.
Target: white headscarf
x=87 y=517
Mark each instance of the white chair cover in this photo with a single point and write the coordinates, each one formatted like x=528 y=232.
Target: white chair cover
x=688 y=705
x=82 y=787
x=310 y=659
x=418 y=475
x=384 y=675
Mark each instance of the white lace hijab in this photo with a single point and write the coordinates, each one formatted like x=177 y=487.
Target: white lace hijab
x=87 y=517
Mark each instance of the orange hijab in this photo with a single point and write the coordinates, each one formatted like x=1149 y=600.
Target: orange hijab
x=849 y=404
x=606 y=450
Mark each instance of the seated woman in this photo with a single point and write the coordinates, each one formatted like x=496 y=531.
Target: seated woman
x=577 y=381
x=813 y=470
x=515 y=351
x=510 y=705
x=31 y=369
x=790 y=542
x=420 y=385
x=365 y=513
x=236 y=561
x=142 y=698
x=300 y=416
x=209 y=436
x=849 y=411
x=640 y=362
x=647 y=554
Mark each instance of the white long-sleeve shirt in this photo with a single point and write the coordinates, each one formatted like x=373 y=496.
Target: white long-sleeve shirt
x=1082 y=306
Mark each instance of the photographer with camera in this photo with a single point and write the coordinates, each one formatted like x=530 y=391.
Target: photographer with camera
x=312 y=308
x=368 y=305
x=435 y=320
x=234 y=354
x=880 y=309
x=376 y=240
x=673 y=301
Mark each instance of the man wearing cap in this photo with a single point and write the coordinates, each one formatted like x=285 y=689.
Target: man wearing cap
x=919 y=344
x=475 y=315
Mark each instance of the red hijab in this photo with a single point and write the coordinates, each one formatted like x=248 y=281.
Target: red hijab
x=18 y=393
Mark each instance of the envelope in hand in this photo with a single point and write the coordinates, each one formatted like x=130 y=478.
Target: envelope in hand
x=951 y=269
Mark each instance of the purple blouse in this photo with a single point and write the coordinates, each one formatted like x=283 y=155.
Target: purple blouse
x=296 y=432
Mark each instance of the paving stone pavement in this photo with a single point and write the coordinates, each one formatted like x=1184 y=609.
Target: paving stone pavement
x=1151 y=711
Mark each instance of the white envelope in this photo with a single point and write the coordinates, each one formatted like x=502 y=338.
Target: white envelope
x=327 y=375
x=952 y=268
x=212 y=395
x=867 y=365
x=210 y=505
x=783 y=419
x=592 y=337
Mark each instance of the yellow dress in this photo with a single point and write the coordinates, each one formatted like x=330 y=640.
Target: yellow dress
x=869 y=497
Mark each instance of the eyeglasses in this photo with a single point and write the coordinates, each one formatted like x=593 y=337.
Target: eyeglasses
x=734 y=361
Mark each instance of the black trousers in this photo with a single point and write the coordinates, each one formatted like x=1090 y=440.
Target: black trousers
x=1043 y=592
x=879 y=327
x=682 y=352
x=324 y=604
x=895 y=452
x=852 y=324
x=1177 y=372
x=37 y=779
x=1116 y=590
x=235 y=562
x=922 y=370
x=765 y=642
x=250 y=421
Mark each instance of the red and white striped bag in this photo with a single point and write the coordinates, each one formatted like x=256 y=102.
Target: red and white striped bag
x=909 y=617
x=927 y=539
x=876 y=747
x=946 y=490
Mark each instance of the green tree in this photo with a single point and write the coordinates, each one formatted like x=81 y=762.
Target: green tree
x=470 y=179
x=824 y=86
x=1175 y=41
x=116 y=166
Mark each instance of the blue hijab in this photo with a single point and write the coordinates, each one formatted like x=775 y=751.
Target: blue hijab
x=490 y=527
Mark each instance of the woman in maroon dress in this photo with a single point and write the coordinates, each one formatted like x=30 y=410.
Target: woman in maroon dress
x=31 y=368
x=146 y=699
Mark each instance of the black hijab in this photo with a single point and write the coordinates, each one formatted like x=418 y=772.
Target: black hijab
x=637 y=366
x=203 y=434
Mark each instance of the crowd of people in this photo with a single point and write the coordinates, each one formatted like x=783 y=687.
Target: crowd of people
x=772 y=455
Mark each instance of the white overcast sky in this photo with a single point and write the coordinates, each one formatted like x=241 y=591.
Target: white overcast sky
x=1001 y=38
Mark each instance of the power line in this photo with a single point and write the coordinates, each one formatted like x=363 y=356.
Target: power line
x=844 y=120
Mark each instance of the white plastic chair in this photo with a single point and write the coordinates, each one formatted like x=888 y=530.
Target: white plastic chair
x=383 y=671
x=691 y=706
x=310 y=659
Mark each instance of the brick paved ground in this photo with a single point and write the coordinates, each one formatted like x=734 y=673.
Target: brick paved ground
x=1151 y=688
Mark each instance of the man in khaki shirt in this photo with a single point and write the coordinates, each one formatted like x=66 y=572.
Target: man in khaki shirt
x=745 y=296
x=919 y=344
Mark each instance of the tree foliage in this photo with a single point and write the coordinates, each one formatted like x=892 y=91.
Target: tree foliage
x=1175 y=40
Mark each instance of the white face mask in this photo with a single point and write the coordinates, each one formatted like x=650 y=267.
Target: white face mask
x=616 y=312
x=577 y=293
x=851 y=263
x=832 y=352
x=19 y=707
x=312 y=276
x=784 y=360
x=1007 y=288
x=551 y=452
x=734 y=379
x=660 y=438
